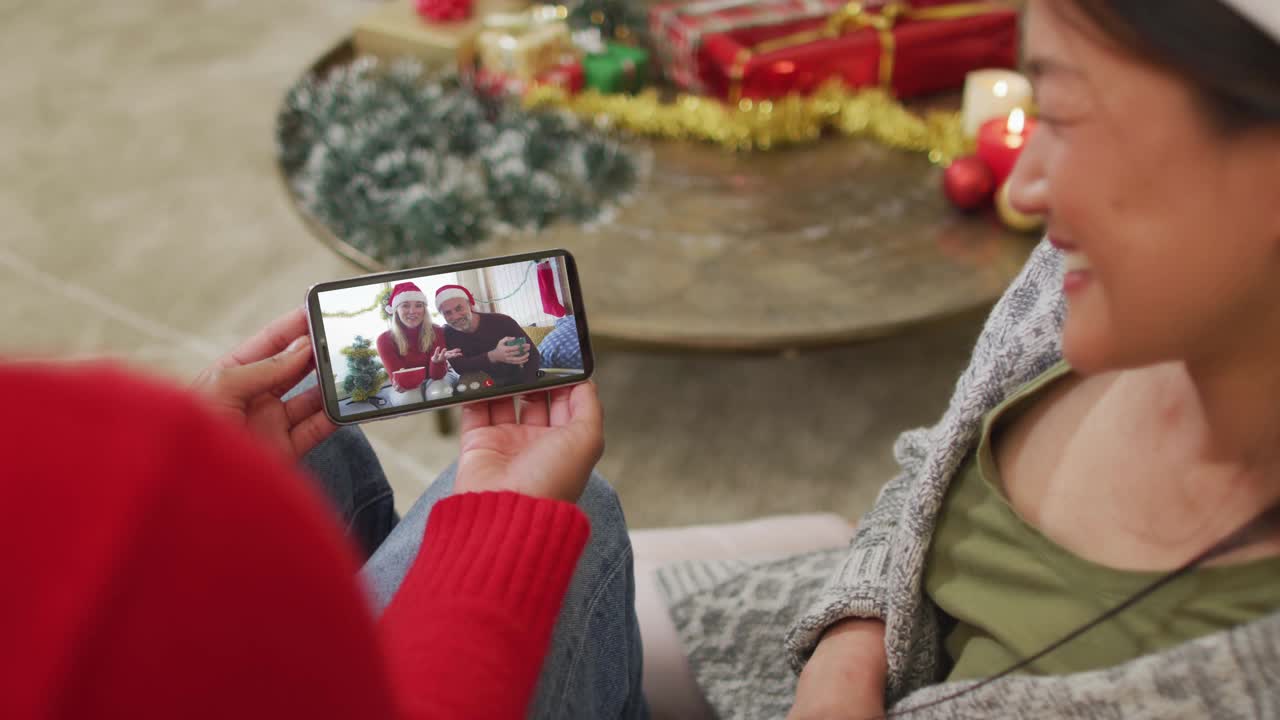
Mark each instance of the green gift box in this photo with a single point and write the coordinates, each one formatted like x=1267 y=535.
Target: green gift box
x=619 y=69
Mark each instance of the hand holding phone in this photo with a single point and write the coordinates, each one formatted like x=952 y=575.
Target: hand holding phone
x=247 y=385
x=548 y=452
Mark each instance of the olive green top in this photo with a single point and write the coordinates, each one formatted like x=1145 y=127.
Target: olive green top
x=1012 y=591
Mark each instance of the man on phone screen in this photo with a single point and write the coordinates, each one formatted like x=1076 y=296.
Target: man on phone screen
x=492 y=343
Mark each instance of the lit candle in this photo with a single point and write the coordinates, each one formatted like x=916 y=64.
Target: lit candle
x=990 y=94
x=1000 y=142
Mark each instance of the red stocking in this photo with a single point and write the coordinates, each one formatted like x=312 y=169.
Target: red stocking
x=547 y=286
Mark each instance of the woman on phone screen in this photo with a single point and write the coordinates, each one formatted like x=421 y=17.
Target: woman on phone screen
x=411 y=343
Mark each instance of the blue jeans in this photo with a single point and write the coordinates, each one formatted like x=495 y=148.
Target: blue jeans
x=351 y=477
x=593 y=665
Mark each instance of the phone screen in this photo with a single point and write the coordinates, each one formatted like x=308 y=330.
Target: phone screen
x=413 y=340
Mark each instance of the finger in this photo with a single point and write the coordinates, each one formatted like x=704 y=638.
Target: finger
x=270 y=340
x=475 y=415
x=584 y=405
x=503 y=411
x=276 y=374
x=304 y=406
x=560 y=413
x=310 y=433
x=588 y=418
x=534 y=409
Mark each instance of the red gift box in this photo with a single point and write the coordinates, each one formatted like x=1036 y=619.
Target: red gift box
x=568 y=76
x=911 y=49
x=679 y=27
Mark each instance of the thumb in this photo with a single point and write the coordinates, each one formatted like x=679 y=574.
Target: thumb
x=587 y=418
x=275 y=374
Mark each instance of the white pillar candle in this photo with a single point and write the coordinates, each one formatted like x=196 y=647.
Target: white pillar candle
x=993 y=93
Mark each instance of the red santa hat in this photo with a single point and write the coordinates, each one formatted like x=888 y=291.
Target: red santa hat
x=402 y=293
x=449 y=292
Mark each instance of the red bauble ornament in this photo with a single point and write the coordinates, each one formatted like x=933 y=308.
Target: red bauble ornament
x=969 y=183
x=444 y=10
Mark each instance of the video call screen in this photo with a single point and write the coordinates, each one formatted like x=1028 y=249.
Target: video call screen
x=415 y=341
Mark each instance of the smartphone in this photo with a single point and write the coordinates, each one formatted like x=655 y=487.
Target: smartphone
x=403 y=342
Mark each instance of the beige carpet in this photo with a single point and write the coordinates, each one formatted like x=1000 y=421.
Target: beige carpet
x=141 y=218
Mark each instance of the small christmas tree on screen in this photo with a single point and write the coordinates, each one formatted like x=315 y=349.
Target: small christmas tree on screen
x=365 y=374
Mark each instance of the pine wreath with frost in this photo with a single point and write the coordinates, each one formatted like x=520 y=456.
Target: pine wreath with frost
x=406 y=167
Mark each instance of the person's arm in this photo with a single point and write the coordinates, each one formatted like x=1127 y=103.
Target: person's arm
x=845 y=678
x=1020 y=336
x=389 y=354
x=479 y=362
x=534 y=363
x=476 y=610
x=467 y=632
x=438 y=368
x=227 y=590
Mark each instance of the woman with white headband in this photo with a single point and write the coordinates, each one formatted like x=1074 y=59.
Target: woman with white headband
x=1120 y=421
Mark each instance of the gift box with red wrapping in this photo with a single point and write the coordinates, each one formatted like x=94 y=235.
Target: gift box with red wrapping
x=679 y=26
x=913 y=49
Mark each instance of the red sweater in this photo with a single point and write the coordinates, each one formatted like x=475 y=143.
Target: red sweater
x=392 y=360
x=158 y=562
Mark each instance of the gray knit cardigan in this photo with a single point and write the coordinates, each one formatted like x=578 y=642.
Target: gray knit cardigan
x=749 y=628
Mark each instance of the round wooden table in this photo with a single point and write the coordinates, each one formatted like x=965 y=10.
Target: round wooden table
x=839 y=241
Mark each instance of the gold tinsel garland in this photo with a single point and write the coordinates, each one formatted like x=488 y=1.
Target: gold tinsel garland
x=768 y=124
x=384 y=297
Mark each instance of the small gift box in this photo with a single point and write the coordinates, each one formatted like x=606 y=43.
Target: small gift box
x=567 y=76
x=523 y=45
x=619 y=69
x=910 y=49
x=395 y=30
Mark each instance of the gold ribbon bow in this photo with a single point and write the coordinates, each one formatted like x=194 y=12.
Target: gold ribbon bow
x=852 y=18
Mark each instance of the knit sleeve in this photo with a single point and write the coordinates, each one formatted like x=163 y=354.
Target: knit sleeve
x=466 y=634
x=389 y=354
x=882 y=575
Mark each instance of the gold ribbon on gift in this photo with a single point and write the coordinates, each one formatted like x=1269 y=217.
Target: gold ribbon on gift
x=852 y=18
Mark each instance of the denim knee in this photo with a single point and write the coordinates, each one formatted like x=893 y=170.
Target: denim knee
x=351 y=477
x=599 y=501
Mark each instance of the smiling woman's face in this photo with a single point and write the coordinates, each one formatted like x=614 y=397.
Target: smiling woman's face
x=411 y=314
x=1170 y=227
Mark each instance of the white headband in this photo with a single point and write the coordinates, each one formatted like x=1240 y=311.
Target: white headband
x=1264 y=13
